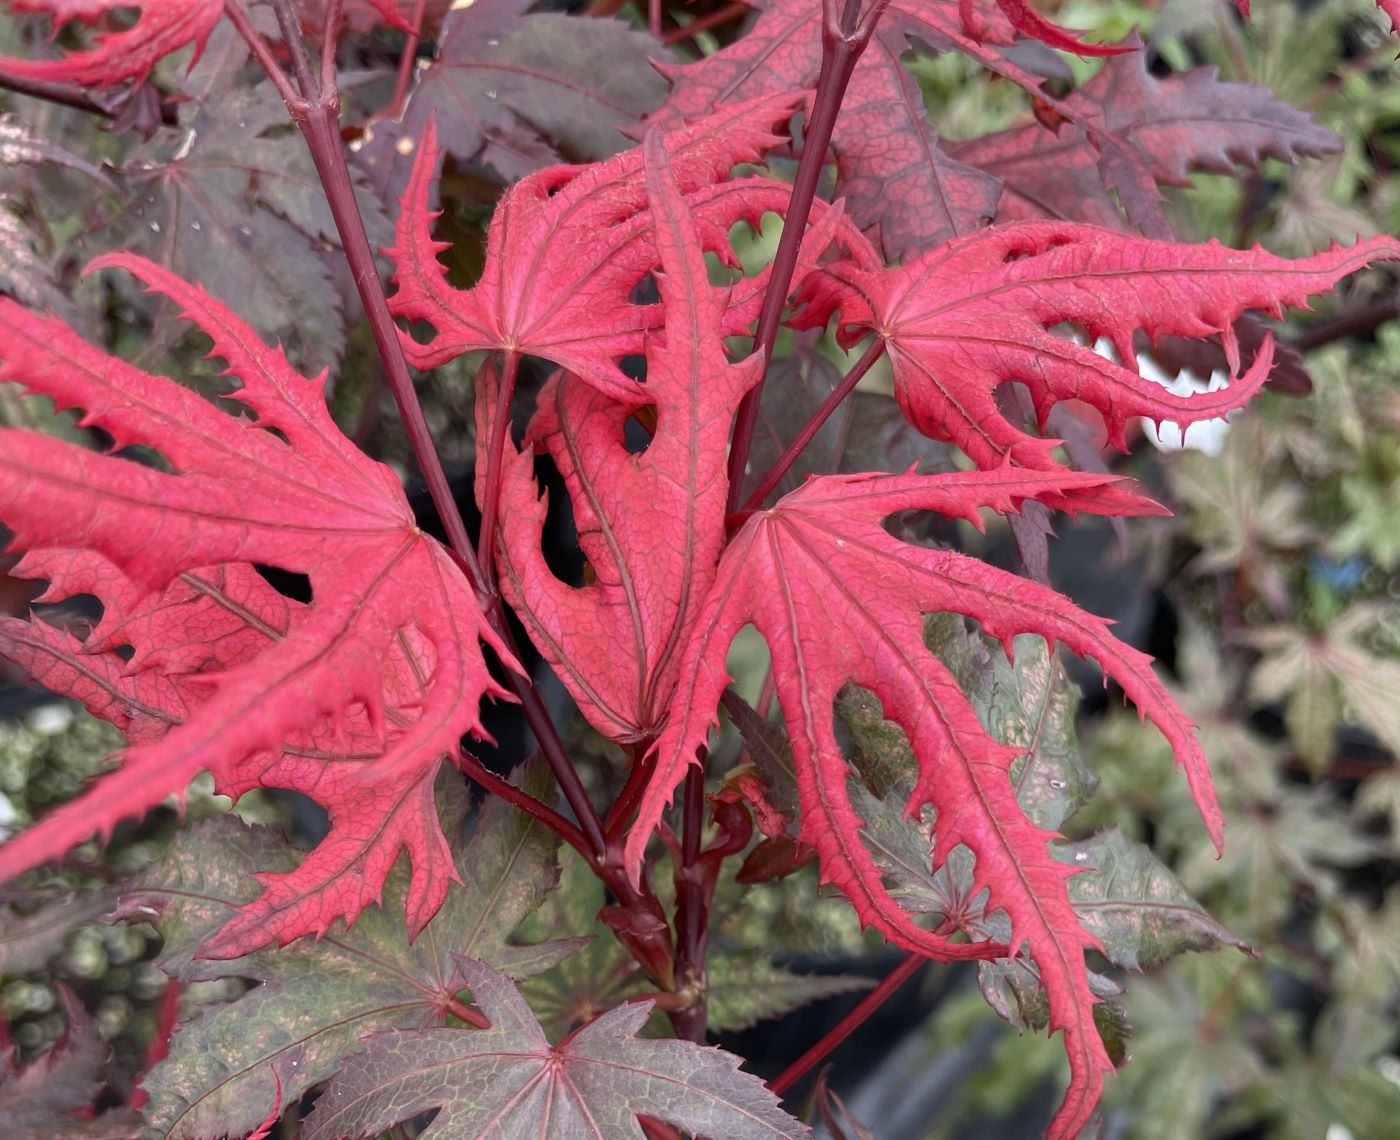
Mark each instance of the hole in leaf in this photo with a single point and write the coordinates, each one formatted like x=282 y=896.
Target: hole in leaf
x=645 y=292
x=634 y=367
x=288 y=583
x=639 y=429
x=561 y=546
x=241 y=411
x=719 y=274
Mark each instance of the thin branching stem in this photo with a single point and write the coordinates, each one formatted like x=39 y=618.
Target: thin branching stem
x=522 y=799
x=317 y=113
x=495 y=454
x=638 y=776
x=692 y=910
x=238 y=17
x=844 y=38
x=330 y=38
x=848 y=1024
x=809 y=430
x=290 y=27
x=406 y=59
x=53 y=91
x=715 y=19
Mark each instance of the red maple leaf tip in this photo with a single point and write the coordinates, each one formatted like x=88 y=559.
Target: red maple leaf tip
x=162 y=27
x=352 y=698
x=1030 y=23
x=568 y=245
x=978 y=311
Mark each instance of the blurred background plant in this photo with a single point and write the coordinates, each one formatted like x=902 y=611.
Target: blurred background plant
x=1272 y=598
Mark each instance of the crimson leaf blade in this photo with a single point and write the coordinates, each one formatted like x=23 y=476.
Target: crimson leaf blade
x=388 y=652
x=977 y=312
x=838 y=599
x=651 y=525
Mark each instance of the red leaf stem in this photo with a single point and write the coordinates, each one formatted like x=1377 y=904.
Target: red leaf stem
x=848 y=1024
x=844 y=38
x=809 y=431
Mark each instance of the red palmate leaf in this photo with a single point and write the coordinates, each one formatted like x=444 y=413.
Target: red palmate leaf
x=205 y=623
x=977 y=312
x=162 y=27
x=890 y=164
x=651 y=525
x=839 y=600
x=384 y=665
x=568 y=246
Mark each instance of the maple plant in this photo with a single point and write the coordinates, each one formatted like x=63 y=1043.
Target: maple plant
x=422 y=956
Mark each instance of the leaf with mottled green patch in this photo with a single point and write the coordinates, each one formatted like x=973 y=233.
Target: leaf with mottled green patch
x=1135 y=906
x=25 y=274
x=316 y=1000
x=1012 y=987
x=1028 y=704
x=510 y=1081
x=20 y=144
x=745 y=988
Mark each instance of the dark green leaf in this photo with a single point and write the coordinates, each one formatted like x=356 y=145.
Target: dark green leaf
x=599 y=976
x=521 y=92
x=24 y=273
x=509 y=1081
x=1135 y=906
x=315 y=1000
x=744 y=989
